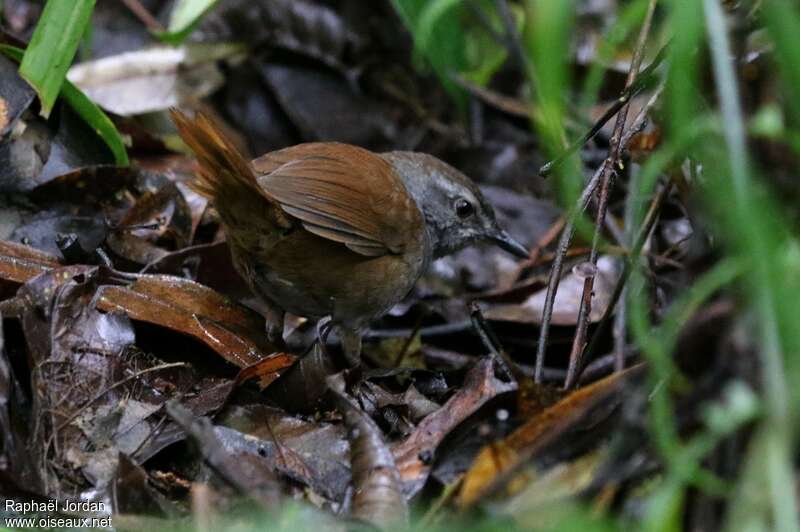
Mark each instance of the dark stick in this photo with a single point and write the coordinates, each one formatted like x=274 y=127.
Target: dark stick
x=443 y=329
x=490 y=341
x=555 y=271
x=585 y=309
x=609 y=170
x=566 y=237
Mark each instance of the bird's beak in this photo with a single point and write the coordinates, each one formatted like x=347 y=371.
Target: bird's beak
x=504 y=241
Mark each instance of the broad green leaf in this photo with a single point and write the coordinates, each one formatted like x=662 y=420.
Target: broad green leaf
x=52 y=48
x=87 y=110
x=184 y=18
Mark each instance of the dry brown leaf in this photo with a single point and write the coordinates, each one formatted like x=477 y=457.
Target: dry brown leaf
x=19 y=263
x=233 y=331
x=497 y=460
x=480 y=385
x=267 y=370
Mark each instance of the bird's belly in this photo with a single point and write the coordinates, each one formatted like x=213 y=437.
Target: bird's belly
x=314 y=277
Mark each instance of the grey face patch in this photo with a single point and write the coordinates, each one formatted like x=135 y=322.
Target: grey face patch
x=436 y=187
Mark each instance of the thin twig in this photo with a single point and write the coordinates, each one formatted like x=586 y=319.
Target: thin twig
x=506 y=104
x=608 y=173
x=491 y=342
x=117 y=384
x=555 y=271
x=619 y=326
x=430 y=331
x=642 y=81
x=141 y=12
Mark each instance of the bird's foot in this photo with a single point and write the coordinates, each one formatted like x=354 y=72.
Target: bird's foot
x=351 y=346
x=324 y=327
x=274 y=327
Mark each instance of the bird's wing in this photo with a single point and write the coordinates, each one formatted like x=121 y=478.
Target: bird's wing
x=343 y=193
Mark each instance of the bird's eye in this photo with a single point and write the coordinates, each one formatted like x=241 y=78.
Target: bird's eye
x=464 y=209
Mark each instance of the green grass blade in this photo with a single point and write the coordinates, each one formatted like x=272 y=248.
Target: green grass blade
x=762 y=245
x=98 y=120
x=547 y=36
x=53 y=46
x=87 y=110
x=782 y=19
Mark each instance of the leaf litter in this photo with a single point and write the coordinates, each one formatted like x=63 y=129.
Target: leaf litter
x=134 y=364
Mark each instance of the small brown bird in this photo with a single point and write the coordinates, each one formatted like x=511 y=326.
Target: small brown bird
x=332 y=230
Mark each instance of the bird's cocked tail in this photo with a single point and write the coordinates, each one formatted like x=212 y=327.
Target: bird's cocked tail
x=225 y=176
x=222 y=165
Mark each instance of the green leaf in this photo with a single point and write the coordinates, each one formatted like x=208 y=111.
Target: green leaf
x=87 y=110
x=52 y=48
x=98 y=120
x=783 y=23
x=438 y=37
x=184 y=18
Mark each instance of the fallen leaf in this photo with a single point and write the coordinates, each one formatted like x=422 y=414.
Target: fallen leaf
x=233 y=331
x=312 y=452
x=248 y=474
x=377 y=493
x=267 y=370
x=19 y=263
x=567 y=301
x=496 y=461
x=153 y=79
x=480 y=385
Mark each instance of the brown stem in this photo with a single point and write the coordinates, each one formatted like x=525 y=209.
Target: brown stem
x=609 y=170
x=555 y=271
x=141 y=12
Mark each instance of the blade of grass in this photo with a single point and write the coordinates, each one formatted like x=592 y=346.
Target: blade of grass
x=682 y=88
x=87 y=110
x=783 y=24
x=756 y=240
x=52 y=48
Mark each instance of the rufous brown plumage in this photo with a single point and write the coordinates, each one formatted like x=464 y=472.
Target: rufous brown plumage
x=330 y=230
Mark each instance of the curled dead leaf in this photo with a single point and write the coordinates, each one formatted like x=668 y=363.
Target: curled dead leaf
x=378 y=496
x=480 y=385
x=496 y=462
x=568 y=297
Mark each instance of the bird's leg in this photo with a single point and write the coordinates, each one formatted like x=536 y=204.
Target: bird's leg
x=324 y=327
x=351 y=346
x=273 y=316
